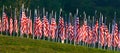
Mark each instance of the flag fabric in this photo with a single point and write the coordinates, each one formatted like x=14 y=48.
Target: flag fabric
x=66 y=30
x=35 y=26
x=53 y=27
x=119 y=40
x=29 y=26
x=107 y=36
x=115 y=35
x=109 y=42
x=95 y=32
x=77 y=30
x=5 y=22
x=102 y=40
x=23 y=24
x=85 y=32
x=15 y=25
x=45 y=24
x=71 y=32
x=38 y=27
x=61 y=28
x=11 y=26
x=90 y=37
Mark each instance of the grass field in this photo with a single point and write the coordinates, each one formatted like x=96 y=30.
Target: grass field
x=23 y=45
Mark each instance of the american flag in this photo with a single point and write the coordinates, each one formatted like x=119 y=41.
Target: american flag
x=61 y=29
x=102 y=40
x=38 y=27
x=5 y=22
x=119 y=40
x=11 y=26
x=53 y=27
x=35 y=26
x=66 y=30
x=115 y=34
x=85 y=32
x=23 y=24
x=90 y=37
x=29 y=26
x=15 y=25
x=109 y=40
x=95 y=32
x=71 y=32
x=77 y=30
x=45 y=24
x=107 y=35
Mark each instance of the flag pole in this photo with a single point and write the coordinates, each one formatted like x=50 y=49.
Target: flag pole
x=14 y=21
x=35 y=17
x=56 y=27
x=59 y=26
x=28 y=24
x=70 y=19
x=2 y=19
x=43 y=16
x=20 y=19
x=85 y=20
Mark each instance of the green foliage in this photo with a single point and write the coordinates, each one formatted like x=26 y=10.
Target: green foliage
x=24 y=45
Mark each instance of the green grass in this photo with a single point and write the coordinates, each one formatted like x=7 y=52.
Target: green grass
x=23 y=45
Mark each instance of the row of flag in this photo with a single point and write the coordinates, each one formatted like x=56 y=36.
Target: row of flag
x=43 y=27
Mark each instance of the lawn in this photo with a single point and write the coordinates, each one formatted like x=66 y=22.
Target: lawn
x=10 y=44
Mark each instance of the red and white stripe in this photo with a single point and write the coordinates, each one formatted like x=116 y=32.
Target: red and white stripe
x=29 y=26
x=71 y=32
x=95 y=32
x=45 y=26
x=102 y=40
x=61 y=29
x=85 y=32
x=15 y=25
x=77 y=30
x=5 y=22
x=115 y=43
x=24 y=24
x=53 y=27
x=90 y=37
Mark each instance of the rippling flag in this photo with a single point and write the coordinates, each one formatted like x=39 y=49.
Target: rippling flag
x=115 y=34
x=15 y=25
x=39 y=27
x=29 y=26
x=45 y=26
x=85 y=32
x=53 y=27
x=102 y=40
x=23 y=24
x=90 y=37
x=95 y=32
x=66 y=30
x=71 y=32
x=119 y=40
x=61 y=28
x=11 y=26
x=5 y=22
x=107 y=35
x=77 y=30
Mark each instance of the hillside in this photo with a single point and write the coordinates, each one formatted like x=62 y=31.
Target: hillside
x=24 y=45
